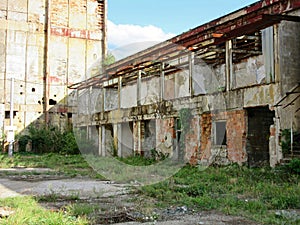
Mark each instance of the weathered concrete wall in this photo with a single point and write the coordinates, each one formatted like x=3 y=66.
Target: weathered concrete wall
x=249 y=72
x=236 y=131
x=46 y=46
x=289 y=66
x=129 y=96
x=224 y=92
x=289 y=54
x=22 y=51
x=192 y=141
x=165 y=135
x=150 y=91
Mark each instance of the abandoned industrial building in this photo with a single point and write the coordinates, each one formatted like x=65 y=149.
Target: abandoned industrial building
x=223 y=92
x=227 y=89
x=41 y=45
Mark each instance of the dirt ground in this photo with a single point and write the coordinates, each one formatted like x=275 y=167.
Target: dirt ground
x=115 y=200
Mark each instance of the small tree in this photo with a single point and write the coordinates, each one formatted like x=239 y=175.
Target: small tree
x=109 y=59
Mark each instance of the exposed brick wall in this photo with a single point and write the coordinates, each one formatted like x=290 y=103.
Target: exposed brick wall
x=192 y=143
x=236 y=128
x=165 y=133
x=236 y=135
x=206 y=125
x=59 y=13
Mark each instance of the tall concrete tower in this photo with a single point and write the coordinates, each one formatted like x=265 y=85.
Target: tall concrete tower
x=45 y=46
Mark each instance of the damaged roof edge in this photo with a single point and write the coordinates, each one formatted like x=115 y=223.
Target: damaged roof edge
x=285 y=6
x=251 y=16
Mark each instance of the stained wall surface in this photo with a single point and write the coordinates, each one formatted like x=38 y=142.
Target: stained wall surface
x=46 y=46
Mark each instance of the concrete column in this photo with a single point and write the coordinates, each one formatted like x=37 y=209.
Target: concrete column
x=118 y=138
x=139 y=87
x=119 y=92
x=191 y=67
x=229 y=73
x=272 y=146
x=99 y=140
x=103 y=141
x=162 y=82
x=116 y=132
x=137 y=142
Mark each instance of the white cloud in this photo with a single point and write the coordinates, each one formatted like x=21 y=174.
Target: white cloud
x=126 y=39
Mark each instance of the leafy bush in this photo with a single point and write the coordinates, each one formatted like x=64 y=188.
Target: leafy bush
x=49 y=140
x=23 y=141
x=294 y=166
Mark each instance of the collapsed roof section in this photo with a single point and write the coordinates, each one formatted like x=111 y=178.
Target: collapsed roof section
x=207 y=42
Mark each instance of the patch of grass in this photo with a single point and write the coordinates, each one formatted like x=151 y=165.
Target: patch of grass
x=53 y=197
x=137 y=161
x=253 y=193
x=69 y=165
x=82 y=209
x=27 y=211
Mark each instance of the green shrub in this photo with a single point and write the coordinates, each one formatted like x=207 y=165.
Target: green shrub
x=49 y=139
x=294 y=166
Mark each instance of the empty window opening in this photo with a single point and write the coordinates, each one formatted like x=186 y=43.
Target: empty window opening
x=100 y=13
x=33 y=89
x=7 y=114
x=220 y=137
x=52 y=102
x=21 y=93
x=246 y=46
x=69 y=115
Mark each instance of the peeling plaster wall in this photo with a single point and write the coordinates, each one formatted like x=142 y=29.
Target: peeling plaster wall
x=249 y=72
x=255 y=82
x=235 y=149
x=45 y=51
x=289 y=64
x=192 y=142
x=22 y=25
x=111 y=99
x=289 y=54
x=150 y=90
x=165 y=135
x=129 y=96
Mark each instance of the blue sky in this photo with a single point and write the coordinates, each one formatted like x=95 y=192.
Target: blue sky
x=135 y=21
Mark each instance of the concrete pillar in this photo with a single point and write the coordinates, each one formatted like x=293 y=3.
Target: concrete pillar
x=137 y=142
x=272 y=146
x=118 y=138
x=103 y=142
x=139 y=88
x=162 y=82
x=119 y=92
x=99 y=140
x=116 y=132
x=191 y=68
x=229 y=73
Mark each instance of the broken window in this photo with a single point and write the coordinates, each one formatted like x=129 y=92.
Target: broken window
x=52 y=102
x=246 y=46
x=7 y=114
x=220 y=137
x=100 y=13
x=268 y=53
x=253 y=59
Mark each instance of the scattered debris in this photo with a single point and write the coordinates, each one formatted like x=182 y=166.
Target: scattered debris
x=6 y=212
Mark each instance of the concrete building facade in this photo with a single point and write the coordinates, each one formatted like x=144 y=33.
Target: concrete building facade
x=220 y=93
x=45 y=46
